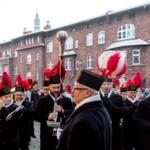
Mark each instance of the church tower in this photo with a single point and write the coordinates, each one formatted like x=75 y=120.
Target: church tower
x=37 y=22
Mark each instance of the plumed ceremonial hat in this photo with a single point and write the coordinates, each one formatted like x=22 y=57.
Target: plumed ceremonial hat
x=20 y=84
x=46 y=83
x=6 y=84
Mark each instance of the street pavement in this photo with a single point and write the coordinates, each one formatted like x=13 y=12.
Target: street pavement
x=35 y=142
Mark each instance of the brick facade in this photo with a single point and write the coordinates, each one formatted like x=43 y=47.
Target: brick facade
x=37 y=42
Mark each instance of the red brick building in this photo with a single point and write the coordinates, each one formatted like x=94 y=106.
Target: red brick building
x=127 y=30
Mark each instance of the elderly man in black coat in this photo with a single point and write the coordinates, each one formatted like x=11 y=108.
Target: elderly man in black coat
x=89 y=126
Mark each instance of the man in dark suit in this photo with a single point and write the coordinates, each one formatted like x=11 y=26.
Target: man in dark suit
x=142 y=124
x=89 y=126
x=27 y=113
x=115 y=106
x=9 y=138
x=128 y=124
x=46 y=110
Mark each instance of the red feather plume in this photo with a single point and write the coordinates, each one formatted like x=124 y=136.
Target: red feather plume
x=58 y=70
x=129 y=82
x=137 y=79
x=18 y=80
x=6 y=80
x=30 y=81
x=25 y=85
x=47 y=72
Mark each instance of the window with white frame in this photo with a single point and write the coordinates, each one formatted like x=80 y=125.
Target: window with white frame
x=68 y=63
x=69 y=43
x=15 y=54
x=89 y=39
x=20 y=59
x=4 y=54
x=38 y=39
x=27 y=42
x=37 y=56
x=32 y=40
x=50 y=47
x=8 y=53
x=136 y=57
x=77 y=44
x=89 y=62
x=28 y=74
x=29 y=59
x=21 y=43
x=6 y=68
x=101 y=37
x=37 y=76
x=15 y=70
x=126 y=31
x=77 y=64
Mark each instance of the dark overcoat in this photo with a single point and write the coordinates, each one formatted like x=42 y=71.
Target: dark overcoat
x=115 y=106
x=45 y=105
x=87 y=128
x=142 y=124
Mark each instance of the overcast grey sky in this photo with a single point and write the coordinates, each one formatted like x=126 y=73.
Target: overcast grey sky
x=17 y=14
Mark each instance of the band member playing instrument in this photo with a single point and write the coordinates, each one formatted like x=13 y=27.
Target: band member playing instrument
x=47 y=108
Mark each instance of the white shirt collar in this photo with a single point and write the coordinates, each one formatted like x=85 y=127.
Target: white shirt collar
x=132 y=100
x=55 y=99
x=7 y=105
x=88 y=100
x=20 y=102
x=109 y=94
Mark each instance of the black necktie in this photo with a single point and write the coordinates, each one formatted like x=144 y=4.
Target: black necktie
x=106 y=95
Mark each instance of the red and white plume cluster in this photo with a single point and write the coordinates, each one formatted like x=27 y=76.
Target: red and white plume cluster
x=113 y=64
x=135 y=81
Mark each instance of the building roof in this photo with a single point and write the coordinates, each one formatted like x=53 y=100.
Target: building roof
x=108 y=13
x=126 y=43
x=69 y=53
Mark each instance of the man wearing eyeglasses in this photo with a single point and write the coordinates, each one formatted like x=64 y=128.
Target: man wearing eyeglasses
x=89 y=126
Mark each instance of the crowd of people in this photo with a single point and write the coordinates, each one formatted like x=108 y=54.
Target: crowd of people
x=93 y=115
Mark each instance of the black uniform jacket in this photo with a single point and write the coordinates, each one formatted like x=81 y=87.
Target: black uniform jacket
x=116 y=108
x=87 y=128
x=9 y=129
x=25 y=121
x=142 y=122
x=45 y=106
